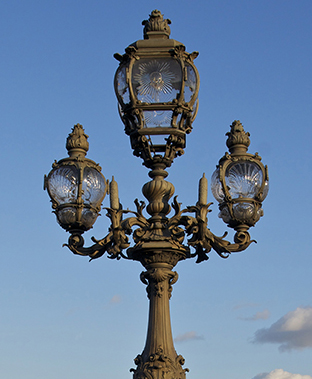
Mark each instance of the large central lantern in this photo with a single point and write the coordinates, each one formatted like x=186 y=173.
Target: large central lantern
x=157 y=86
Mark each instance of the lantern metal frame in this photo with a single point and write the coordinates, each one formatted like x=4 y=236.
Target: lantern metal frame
x=157 y=45
x=77 y=146
x=238 y=142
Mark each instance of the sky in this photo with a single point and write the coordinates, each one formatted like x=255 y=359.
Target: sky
x=246 y=317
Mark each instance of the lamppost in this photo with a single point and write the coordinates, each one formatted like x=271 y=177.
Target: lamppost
x=157 y=85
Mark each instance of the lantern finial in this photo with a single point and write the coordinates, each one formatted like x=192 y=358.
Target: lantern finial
x=77 y=142
x=238 y=140
x=156 y=26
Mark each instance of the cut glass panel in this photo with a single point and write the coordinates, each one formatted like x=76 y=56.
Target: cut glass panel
x=88 y=217
x=156 y=80
x=154 y=119
x=93 y=187
x=190 y=84
x=244 y=179
x=67 y=216
x=122 y=85
x=63 y=184
x=216 y=187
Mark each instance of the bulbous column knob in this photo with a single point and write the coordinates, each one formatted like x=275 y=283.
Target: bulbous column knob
x=158 y=192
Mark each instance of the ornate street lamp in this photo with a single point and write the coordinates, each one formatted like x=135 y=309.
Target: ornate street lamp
x=157 y=85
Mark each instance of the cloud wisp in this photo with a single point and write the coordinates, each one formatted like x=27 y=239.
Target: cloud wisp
x=292 y=331
x=188 y=336
x=264 y=315
x=245 y=305
x=115 y=299
x=281 y=374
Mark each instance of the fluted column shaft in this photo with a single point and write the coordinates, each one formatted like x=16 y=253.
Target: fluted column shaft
x=159 y=359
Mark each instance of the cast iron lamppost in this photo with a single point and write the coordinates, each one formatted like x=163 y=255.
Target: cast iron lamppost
x=157 y=85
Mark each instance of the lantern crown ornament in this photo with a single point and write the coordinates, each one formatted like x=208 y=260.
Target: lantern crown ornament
x=156 y=26
x=77 y=142
x=157 y=86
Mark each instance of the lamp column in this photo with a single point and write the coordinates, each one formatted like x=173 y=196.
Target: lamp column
x=159 y=358
x=158 y=252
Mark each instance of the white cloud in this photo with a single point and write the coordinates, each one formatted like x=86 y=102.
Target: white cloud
x=292 y=331
x=281 y=374
x=264 y=315
x=188 y=336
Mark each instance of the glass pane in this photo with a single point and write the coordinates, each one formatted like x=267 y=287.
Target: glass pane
x=153 y=119
x=243 y=211
x=190 y=84
x=195 y=109
x=67 y=216
x=93 y=187
x=122 y=86
x=216 y=187
x=265 y=190
x=63 y=184
x=88 y=217
x=157 y=140
x=244 y=179
x=156 y=80
x=225 y=215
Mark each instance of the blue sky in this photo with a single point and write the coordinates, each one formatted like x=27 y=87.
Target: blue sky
x=249 y=316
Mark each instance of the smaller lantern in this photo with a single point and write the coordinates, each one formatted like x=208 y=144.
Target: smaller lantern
x=76 y=185
x=240 y=183
x=157 y=85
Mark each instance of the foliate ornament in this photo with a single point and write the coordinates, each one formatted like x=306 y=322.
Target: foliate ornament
x=77 y=139
x=156 y=23
x=159 y=366
x=237 y=136
x=154 y=277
